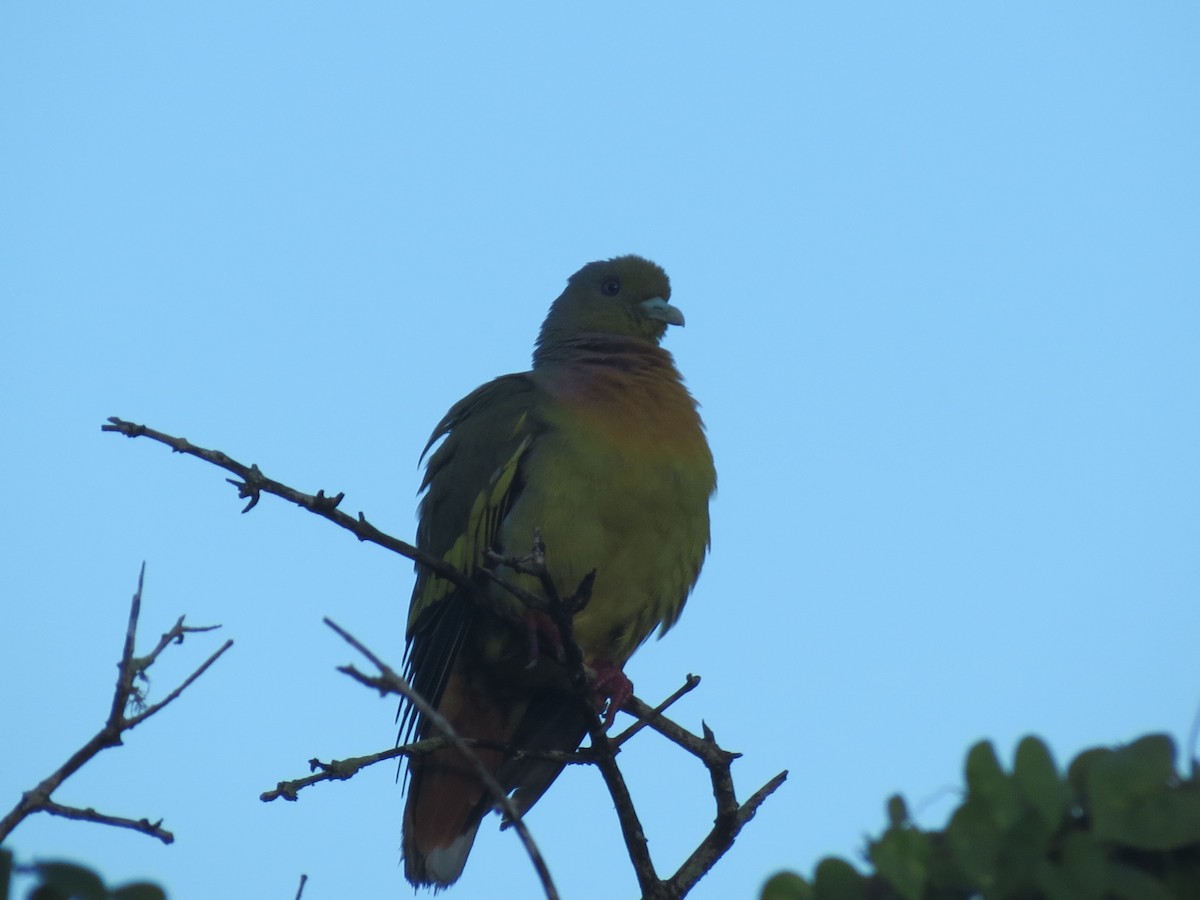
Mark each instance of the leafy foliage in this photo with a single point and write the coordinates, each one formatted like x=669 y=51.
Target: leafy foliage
x=1122 y=823
x=69 y=881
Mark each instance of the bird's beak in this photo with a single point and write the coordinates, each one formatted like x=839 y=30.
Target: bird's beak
x=658 y=308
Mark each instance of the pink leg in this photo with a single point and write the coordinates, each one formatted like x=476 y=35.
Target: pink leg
x=611 y=684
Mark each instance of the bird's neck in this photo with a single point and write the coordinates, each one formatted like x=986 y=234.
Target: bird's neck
x=623 y=383
x=604 y=354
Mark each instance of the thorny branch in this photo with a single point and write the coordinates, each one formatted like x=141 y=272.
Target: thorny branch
x=731 y=816
x=391 y=682
x=254 y=484
x=342 y=769
x=126 y=696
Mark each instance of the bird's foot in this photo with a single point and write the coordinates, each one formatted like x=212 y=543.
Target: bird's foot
x=542 y=633
x=611 y=689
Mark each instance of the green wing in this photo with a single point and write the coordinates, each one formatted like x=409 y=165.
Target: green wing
x=471 y=481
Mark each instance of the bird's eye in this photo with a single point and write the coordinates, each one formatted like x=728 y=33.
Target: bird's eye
x=610 y=287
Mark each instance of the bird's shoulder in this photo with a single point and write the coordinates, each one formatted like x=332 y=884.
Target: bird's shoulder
x=482 y=435
x=483 y=420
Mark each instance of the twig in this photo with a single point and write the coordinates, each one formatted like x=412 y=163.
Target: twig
x=334 y=770
x=254 y=483
x=343 y=769
x=703 y=749
x=720 y=839
x=90 y=815
x=634 y=706
x=126 y=695
x=391 y=682
x=631 y=825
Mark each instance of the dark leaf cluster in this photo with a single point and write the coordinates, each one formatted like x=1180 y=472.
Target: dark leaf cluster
x=1121 y=823
x=69 y=881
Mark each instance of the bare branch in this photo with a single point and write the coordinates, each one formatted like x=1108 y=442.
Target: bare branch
x=689 y=685
x=390 y=681
x=720 y=839
x=631 y=825
x=125 y=695
x=171 y=697
x=334 y=770
x=145 y=826
x=253 y=483
x=342 y=769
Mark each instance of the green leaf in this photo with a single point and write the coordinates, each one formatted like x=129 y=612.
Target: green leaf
x=897 y=811
x=974 y=841
x=1128 y=883
x=787 y=886
x=1039 y=784
x=989 y=786
x=1084 y=866
x=138 y=890
x=1081 y=766
x=836 y=879
x=1136 y=799
x=70 y=880
x=1141 y=767
x=901 y=857
x=1081 y=872
x=1022 y=851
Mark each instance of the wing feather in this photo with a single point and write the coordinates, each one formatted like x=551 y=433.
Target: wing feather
x=471 y=481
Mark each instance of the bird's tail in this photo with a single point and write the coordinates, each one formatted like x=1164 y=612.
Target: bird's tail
x=447 y=799
x=446 y=802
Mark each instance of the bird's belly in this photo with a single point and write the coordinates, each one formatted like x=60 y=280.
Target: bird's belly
x=641 y=524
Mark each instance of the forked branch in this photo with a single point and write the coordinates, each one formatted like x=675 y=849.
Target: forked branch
x=128 y=710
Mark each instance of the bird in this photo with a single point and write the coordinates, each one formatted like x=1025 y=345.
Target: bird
x=600 y=450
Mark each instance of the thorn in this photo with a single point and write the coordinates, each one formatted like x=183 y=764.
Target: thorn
x=321 y=501
x=249 y=488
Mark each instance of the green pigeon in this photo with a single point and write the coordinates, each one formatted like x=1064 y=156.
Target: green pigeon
x=600 y=448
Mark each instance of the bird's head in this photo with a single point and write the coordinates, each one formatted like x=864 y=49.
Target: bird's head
x=626 y=296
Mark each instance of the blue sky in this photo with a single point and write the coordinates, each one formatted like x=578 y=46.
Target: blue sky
x=940 y=269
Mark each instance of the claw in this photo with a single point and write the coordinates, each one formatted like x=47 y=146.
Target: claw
x=611 y=689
